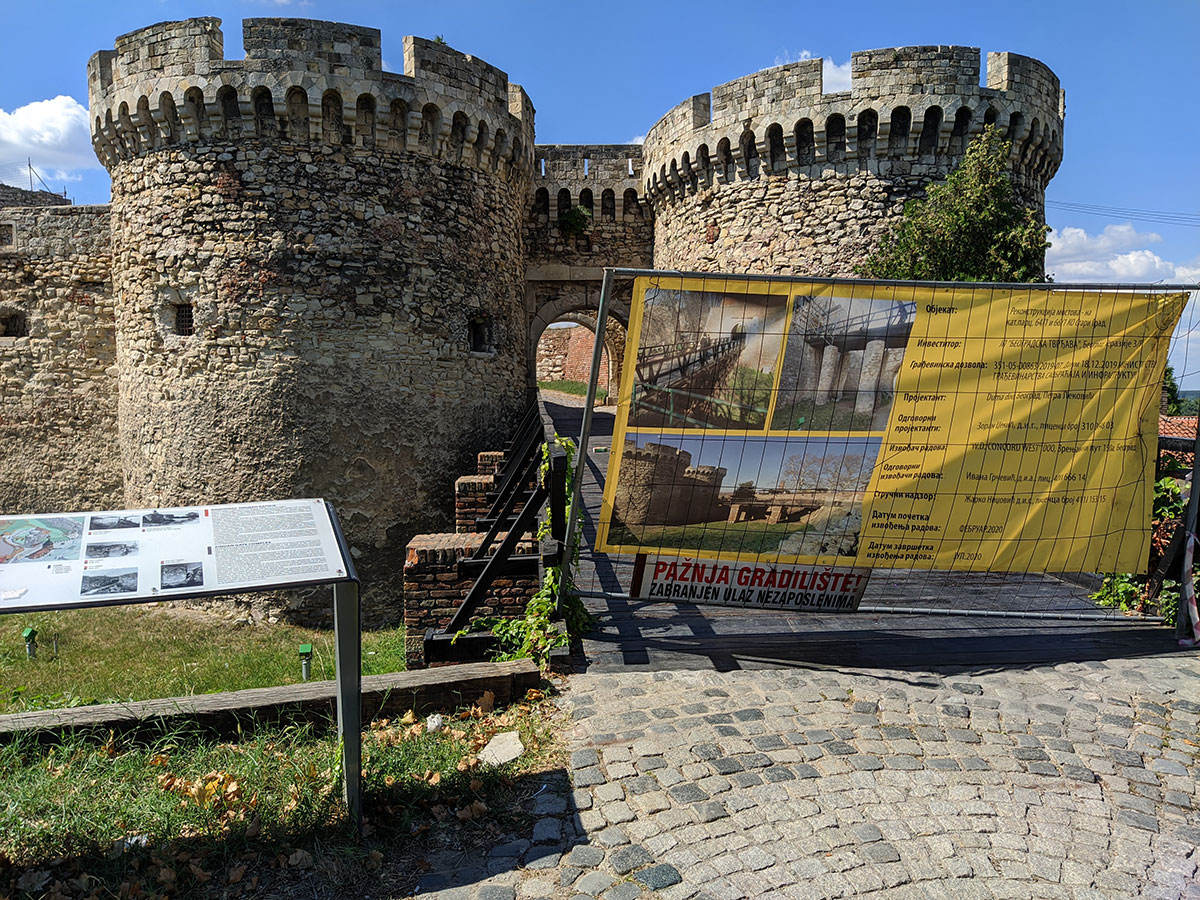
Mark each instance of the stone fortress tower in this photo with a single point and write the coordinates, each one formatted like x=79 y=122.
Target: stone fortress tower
x=660 y=487
x=317 y=267
x=768 y=174
x=319 y=278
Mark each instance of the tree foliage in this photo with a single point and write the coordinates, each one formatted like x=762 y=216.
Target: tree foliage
x=969 y=228
x=1171 y=389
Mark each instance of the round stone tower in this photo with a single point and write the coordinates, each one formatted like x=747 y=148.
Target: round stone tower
x=317 y=269
x=769 y=174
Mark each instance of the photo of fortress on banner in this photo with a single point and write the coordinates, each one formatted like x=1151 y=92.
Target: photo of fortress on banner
x=830 y=423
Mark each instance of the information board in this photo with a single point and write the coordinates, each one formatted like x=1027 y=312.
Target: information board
x=64 y=560
x=800 y=422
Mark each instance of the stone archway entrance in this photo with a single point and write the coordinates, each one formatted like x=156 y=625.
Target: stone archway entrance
x=564 y=352
x=563 y=355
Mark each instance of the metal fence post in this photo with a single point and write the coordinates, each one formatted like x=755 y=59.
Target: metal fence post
x=585 y=432
x=347 y=637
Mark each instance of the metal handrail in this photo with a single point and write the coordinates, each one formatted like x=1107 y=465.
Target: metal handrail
x=524 y=466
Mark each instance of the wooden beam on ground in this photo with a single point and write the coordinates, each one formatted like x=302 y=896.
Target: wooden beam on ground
x=423 y=690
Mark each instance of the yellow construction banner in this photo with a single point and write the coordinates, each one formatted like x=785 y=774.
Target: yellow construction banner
x=889 y=425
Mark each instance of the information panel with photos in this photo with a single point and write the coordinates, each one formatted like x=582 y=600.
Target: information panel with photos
x=63 y=560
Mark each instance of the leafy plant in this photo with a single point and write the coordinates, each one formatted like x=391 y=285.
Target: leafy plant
x=971 y=227
x=1128 y=592
x=575 y=221
x=188 y=814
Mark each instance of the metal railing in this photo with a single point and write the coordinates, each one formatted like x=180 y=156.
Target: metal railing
x=531 y=482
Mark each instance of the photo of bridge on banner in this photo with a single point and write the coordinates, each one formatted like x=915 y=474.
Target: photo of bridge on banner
x=827 y=462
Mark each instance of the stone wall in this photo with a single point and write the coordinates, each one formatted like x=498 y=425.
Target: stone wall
x=605 y=179
x=15 y=196
x=768 y=174
x=58 y=418
x=344 y=249
x=319 y=278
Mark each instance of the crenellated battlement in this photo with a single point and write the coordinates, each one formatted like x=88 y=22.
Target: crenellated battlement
x=339 y=275
x=304 y=82
x=709 y=475
x=603 y=178
x=909 y=111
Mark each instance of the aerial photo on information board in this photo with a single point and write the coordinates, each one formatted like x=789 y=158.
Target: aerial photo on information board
x=40 y=539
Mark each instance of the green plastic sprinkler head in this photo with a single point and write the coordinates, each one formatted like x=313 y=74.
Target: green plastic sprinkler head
x=306 y=653
x=30 y=636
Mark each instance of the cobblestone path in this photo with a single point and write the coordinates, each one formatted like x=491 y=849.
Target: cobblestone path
x=903 y=758
x=1078 y=780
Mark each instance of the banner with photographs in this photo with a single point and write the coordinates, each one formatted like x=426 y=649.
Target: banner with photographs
x=64 y=560
x=864 y=424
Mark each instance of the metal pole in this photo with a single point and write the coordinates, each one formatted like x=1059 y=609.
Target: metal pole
x=1183 y=619
x=347 y=638
x=585 y=430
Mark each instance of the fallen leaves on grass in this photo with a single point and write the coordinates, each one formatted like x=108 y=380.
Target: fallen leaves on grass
x=472 y=811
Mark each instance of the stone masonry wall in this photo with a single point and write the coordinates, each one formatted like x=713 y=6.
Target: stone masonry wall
x=604 y=178
x=346 y=248
x=319 y=278
x=58 y=415
x=769 y=174
x=15 y=196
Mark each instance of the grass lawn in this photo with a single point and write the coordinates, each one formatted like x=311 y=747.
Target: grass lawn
x=182 y=814
x=807 y=416
x=744 y=537
x=578 y=388
x=142 y=652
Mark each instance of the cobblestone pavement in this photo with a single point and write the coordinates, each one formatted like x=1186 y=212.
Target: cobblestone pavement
x=1077 y=780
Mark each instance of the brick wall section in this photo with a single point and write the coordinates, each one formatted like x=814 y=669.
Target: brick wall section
x=566 y=354
x=488 y=462
x=471 y=501
x=433 y=589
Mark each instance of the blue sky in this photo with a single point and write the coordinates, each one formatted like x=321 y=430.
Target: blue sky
x=604 y=73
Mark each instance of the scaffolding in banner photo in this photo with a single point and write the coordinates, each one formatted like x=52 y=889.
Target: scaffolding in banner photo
x=804 y=443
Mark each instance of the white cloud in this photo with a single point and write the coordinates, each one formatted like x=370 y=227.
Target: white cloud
x=1117 y=254
x=834 y=77
x=637 y=139
x=54 y=134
